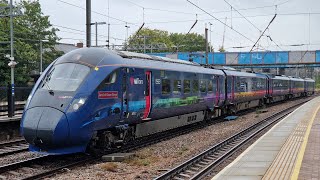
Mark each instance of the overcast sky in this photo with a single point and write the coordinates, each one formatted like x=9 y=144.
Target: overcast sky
x=298 y=21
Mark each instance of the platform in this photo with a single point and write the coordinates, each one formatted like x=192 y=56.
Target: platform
x=10 y=119
x=290 y=150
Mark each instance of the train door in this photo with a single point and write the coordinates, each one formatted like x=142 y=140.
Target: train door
x=148 y=96
x=217 y=91
x=232 y=88
x=125 y=92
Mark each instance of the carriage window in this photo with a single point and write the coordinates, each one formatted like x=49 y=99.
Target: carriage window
x=165 y=86
x=210 y=86
x=111 y=78
x=203 y=87
x=176 y=86
x=186 y=86
x=195 y=86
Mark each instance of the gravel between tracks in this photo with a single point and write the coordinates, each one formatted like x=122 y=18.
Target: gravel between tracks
x=17 y=157
x=153 y=160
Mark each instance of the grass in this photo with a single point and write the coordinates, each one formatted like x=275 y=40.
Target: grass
x=110 y=166
x=182 y=150
x=143 y=158
x=99 y=174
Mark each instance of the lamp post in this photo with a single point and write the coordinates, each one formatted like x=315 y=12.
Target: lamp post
x=126 y=40
x=108 y=41
x=11 y=64
x=210 y=37
x=96 y=24
x=41 y=55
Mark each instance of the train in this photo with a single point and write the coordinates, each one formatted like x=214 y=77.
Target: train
x=98 y=99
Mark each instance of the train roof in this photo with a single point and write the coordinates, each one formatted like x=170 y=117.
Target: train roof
x=309 y=80
x=244 y=74
x=296 y=79
x=101 y=57
x=281 y=77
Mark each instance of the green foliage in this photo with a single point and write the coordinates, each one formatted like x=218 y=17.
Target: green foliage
x=317 y=82
x=221 y=49
x=174 y=41
x=29 y=29
x=188 y=42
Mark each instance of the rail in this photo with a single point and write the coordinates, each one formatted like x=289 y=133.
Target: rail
x=204 y=163
x=62 y=162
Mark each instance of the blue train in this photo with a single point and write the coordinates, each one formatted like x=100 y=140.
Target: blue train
x=94 y=98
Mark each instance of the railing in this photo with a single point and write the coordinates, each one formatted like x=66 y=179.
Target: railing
x=21 y=96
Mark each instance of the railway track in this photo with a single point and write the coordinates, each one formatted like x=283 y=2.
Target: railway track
x=42 y=166
x=38 y=167
x=12 y=147
x=46 y=165
x=204 y=163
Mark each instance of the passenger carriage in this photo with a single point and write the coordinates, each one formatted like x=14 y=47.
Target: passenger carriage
x=94 y=98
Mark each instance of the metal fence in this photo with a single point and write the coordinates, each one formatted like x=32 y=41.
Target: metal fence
x=21 y=93
x=21 y=96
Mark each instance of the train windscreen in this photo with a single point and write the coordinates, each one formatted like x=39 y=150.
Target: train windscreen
x=65 y=77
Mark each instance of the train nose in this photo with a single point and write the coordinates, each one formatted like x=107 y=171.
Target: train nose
x=45 y=127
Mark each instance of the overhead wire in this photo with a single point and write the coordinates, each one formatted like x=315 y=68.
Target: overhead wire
x=220 y=21
x=264 y=31
x=216 y=12
x=242 y=15
x=77 y=30
x=237 y=17
x=155 y=9
x=80 y=7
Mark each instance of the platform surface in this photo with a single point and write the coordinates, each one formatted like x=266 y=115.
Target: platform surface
x=10 y=119
x=290 y=150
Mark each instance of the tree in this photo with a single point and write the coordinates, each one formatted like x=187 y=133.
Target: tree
x=174 y=41
x=188 y=42
x=29 y=29
x=152 y=36
x=221 y=49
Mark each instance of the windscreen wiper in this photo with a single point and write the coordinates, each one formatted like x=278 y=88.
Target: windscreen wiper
x=49 y=89
x=45 y=83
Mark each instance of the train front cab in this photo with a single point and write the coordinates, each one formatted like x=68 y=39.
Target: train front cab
x=59 y=115
x=309 y=86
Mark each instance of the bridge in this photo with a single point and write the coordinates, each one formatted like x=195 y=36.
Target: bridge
x=268 y=59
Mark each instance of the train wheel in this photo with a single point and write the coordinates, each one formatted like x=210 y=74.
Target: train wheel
x=106 y=140
x=232 y=109
x=129 y=135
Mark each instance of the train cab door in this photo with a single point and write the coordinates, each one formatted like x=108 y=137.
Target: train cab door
x=148 y=96
x=125 y=93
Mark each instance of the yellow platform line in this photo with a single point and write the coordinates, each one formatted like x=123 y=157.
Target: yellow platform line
x=298 y=164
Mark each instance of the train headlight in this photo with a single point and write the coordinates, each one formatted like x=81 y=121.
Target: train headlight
x=77 y=103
